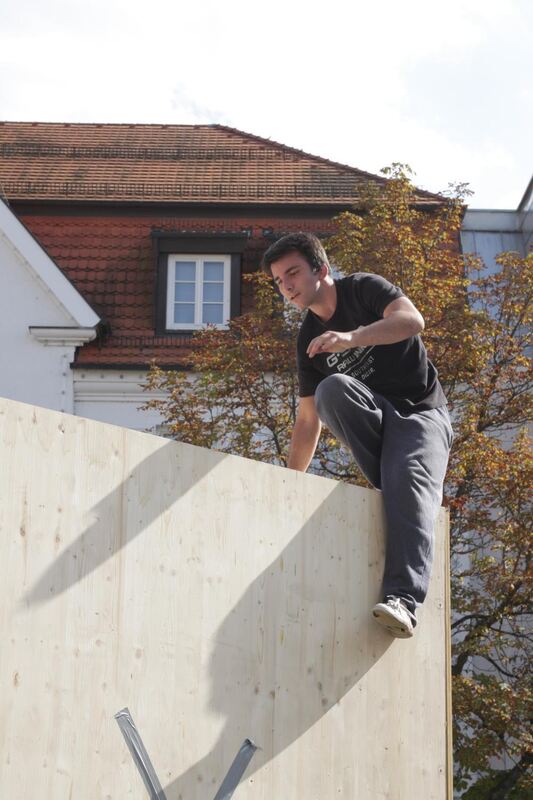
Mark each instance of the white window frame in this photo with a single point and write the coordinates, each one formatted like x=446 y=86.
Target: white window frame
x=199 y=259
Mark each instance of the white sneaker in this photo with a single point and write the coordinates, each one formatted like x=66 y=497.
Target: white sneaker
x=393 y=615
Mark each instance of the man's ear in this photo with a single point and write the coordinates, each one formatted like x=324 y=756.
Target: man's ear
x=323 y=271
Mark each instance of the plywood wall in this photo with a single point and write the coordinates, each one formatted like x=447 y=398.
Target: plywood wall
x=216 y=597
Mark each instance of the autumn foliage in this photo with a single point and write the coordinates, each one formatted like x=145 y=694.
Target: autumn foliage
x=240 y=396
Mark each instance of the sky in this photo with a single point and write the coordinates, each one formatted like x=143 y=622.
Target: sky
x=446 y=87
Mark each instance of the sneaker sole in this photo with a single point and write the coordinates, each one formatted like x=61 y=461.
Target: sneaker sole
x=396 y=628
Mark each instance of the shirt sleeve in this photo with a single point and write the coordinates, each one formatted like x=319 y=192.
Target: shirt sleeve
x=375 y=293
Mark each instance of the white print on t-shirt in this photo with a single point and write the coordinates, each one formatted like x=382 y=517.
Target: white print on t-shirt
x=356 y=362
x=356 y=353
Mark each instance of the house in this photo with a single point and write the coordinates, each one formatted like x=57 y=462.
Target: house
x=43 y=319
x=121 y=240
x=488 y=232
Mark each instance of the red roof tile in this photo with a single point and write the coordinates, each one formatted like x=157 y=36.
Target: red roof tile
x=110 y=261
x=168 y=164
x=107 y=251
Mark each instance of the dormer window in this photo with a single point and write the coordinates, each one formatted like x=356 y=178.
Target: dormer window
x=198 y=280
x=198 y=291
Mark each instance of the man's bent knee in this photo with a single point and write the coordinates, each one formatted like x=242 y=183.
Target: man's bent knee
x=329 y=392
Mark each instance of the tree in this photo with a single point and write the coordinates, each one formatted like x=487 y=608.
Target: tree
x=489 y=493
x=241 y=397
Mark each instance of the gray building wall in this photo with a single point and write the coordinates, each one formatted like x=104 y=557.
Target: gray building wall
x=488 y=232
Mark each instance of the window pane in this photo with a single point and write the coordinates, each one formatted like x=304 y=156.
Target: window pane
x=214 y=292
x=213 y=270
x=212 y=313
x=185 y=270
x=184 y=312
x=184 y=292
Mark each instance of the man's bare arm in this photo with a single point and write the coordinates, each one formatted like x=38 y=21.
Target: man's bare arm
x=401 y=320
x=305 y=435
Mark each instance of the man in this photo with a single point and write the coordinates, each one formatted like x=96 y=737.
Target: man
x=364 y=372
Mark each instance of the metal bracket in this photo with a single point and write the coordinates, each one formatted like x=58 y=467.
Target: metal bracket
x=148 y=774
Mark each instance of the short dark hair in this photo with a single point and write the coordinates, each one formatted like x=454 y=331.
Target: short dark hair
x=308 y=245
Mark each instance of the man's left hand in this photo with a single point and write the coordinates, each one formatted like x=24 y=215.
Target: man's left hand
x=331 y=342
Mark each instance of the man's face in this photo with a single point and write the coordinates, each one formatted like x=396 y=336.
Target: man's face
x=296 y=280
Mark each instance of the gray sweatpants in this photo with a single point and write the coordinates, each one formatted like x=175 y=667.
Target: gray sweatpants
x=405 y=457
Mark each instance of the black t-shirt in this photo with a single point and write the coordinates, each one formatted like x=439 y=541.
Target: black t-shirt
x=401 y=371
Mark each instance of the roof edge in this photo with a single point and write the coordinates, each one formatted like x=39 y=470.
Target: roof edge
x=321 y=159
x=436 y=197
x=522 y=206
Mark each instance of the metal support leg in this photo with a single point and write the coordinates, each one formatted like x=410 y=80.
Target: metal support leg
x=151 y=781
x=139 y=754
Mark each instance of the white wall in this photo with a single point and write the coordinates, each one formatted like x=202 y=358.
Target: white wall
x=30 y=371
x=41 y=374
x=115 y=396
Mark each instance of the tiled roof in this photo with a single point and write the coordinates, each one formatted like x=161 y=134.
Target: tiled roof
x=110 y=261
x=106 y=251
x=168 y=164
